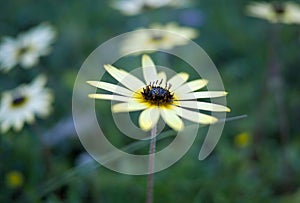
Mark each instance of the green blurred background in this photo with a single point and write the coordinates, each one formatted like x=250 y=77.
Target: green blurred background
x=253 y=162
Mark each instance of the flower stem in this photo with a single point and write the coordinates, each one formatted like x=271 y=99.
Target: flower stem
x=151 y=165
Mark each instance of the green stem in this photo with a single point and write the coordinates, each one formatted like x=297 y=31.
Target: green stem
x=151 y=165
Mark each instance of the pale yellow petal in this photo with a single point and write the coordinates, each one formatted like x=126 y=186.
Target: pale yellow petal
x=128 y=80
x=195 y=116
x=39 y=81
x=204 y=106
x=109 y=97
x=177 y=80
x=172 y=119
x=18 y=125
x=191 y=86
x=128 y=107
x=148 y=118
x=149 y=69
x=293 y=12
x=162 y=78
x=30 y=117
x=201 y=95
x=111 y=87
x=259 y=9
x=5 y=126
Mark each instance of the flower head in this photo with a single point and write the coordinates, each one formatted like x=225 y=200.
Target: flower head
x=27 y=47
x=275 y=12
x=158 y=37
x=134 y=7
x=20 y=105
x=171 y=99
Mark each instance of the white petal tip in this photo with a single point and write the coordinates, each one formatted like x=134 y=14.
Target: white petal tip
x=107 y=66
x=146 y=125
x=146 y=57
x=92 y=83
x=180 y=128
x=184 y=75
x=146 y=128
x=213 y=120
x=116 y=109
x=93 y=96
x=208 y=121
x=147 y=61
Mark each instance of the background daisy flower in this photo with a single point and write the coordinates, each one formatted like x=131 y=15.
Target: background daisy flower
x=27 y=47
x=134 y=7
x=20 y=105
x=171 y=99
x=275 y=12
x=161 y=37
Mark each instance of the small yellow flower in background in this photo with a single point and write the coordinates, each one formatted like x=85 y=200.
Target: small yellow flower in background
x=134 y=7
x=20 y=105
x=171 y=99
x=242 y=140
x=275 y=12
x=158 y=38
x=27 y=47
x=14 y=179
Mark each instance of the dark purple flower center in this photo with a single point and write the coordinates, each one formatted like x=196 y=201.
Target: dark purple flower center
x=157 y=95
x=279 y=8
x=18 y=101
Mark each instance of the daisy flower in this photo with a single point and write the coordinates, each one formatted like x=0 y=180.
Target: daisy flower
x=171 y=99
x=20 y=105
x=275 y=12
x=134 y=7
x=159 y=37
x=27 y=47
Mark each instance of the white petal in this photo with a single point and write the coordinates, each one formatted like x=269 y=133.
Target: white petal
x=111 y=87
x=172 y=119
x=162 y=78
x=18 y=125
x=191 y=86
x=149 y=69
x=204 y=106
x=177 y=80
x=201 y=95
x=30 y=117
x=195 y=116
x=109 y=97
x=5 y=126
x=149 y=118
x=39 y=81
x=127 y=107
x=128 y=80
x=28 y=60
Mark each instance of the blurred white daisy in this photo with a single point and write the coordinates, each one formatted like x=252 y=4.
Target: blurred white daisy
x=158 y=37
x=157 y=96
x=27 y=47
x=275 y=12
x=21 y=104
x=134 y=7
